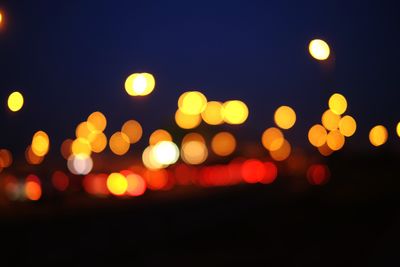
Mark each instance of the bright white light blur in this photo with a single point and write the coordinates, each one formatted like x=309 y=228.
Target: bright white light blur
x=149 y=160
x=80 y=164
x=139 y=84
x=166 y=152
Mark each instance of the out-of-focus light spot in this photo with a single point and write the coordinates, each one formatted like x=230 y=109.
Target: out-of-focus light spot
x=119 y=143
x=40 y=143
x=325 y=150
x=97 y=122
x=1 y=18
x=5 y=158
x=117 y=184
x=99 y=142
x=235 y=112
x=149 y=160
x=66 y=148
x=80 y=164
x=319 y=49
x=347 y=126
x=193 y=137
x=15 y=101
x=285 y=117
x=81 y=146
x=398 y=129
x=223 y=144
x=156 y=179
x=96 y=184
x=133 y=130
x=31 y=157
x=330 y=120
x=318 y=174
x=271 y=174
x=33 y=189
x=253 y=171
x=166 y=152
x=378 y=135
x=337 y=103
x=213 y=114
x=192 y=103
x=12 y=188
x=194 y=152
x=136 y=185
x=317 y=135
x=272 y=139
x=335 y=140
x=60 y=180
x=83 y=130
x=186 y=121
x=158 y=136
x=282 y=153
x=140 y=84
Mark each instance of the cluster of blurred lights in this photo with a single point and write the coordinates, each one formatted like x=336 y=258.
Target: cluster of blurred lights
x=330 y=135
x=193 y=107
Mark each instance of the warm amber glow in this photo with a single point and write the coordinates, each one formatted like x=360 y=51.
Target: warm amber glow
x=338 y=103
x=193 y=137
x=158 y=136
x=194 y=152
x=148 y=159
x=15 y=101
x=165 y=152
x=40 y=143
x=186 y=121
x=223 y=144
x=84 y=130
x=5 y=158
x=285 y=117
x=317 y=135
x=347 y=126
x=33 y=190
x=99 y=142
x=140 y=84
x=32 y=158
x=398 y=129
x=66 y=148
x=378 y=135
x=213 y=113
x=133 y=130
x=117 y=184
x=1 y=18
x=192 y=103
x=81 y=146
x=235 y=112
x=282 y=153
x=272 y=139
x=335 y=140
x=319 y=49
x=325 y=150
x=97 y=122
x=330 y=120
x=119 y=143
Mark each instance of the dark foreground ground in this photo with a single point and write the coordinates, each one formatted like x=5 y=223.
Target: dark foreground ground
x=352 y=220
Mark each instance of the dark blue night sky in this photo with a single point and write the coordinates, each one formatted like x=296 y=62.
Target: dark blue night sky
x=70 y=58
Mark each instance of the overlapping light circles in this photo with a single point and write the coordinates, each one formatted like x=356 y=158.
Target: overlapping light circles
x=192 y=103
x=213 y=114
x=235 y=112
x=133 y=130
x=193 y=149
x=40 y=143
x=140 y=84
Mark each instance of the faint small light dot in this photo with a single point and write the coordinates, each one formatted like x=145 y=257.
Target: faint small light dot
x=223 y=144
x=158 y=136
x=213 y=114
x=378 y=135
x=5 y=158
x=133 y=130
x=317 y=135
x=186 y=121
x=15 y=101
x=335 y=140
x=117 y=184
x=318 y=174
x=60 y=180
x=319 y=49
x=330 y=120
x=285 y=117
x=337 y=103
x=119 y=143
x=235 y=112
x=272 y=139
x=347 y=126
